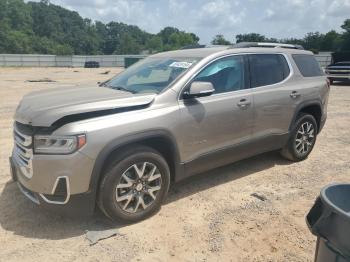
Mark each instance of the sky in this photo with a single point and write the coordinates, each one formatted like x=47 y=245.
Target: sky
x=206 y=18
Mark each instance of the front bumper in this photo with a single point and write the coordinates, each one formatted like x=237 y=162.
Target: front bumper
x=47 y=170
x=60 y=200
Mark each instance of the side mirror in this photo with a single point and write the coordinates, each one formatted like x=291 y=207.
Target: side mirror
x=199 y=89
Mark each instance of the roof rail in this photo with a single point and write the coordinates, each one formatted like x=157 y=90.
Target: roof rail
x=192 y=46
x=202 y=46
x=269 y=45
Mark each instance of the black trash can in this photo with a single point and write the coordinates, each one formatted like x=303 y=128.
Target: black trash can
x=329 y=220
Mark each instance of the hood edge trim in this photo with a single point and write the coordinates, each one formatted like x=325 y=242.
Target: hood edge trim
x=87 y=115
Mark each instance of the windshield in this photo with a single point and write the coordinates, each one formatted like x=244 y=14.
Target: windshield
x=151 y=75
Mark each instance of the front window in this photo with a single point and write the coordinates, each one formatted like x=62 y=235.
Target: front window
x=226 y=74
x=151 y=75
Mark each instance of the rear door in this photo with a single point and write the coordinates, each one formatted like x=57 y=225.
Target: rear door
x=275 y=98
x=313 y=87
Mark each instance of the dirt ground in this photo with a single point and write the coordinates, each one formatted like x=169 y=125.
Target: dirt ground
x=210 y=217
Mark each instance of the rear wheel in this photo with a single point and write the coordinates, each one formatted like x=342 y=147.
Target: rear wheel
x=302 y=138
x=135 y=185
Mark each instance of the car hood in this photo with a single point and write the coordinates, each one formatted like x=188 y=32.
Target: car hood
x=43 y=108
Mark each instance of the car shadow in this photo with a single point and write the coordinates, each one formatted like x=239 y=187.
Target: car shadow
x=225 y=174
x=22 y=217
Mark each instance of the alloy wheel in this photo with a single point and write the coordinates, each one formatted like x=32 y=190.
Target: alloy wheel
x=138 y=187
x=305 y=138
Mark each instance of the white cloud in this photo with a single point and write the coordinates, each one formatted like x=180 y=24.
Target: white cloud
x=177 y=6
x=339 y=8
x=219 y=13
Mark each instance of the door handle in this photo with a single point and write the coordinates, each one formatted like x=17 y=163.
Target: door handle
x=294 y=94
x=243 y=103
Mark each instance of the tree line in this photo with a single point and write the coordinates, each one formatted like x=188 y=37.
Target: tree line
x=314 y=41
x=45 y=28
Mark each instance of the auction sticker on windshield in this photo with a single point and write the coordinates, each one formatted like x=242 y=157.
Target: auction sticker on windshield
x=181 y=64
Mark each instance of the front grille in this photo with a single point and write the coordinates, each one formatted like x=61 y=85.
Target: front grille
x=23 y=149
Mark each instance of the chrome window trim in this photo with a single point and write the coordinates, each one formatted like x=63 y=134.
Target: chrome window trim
x=291 y=70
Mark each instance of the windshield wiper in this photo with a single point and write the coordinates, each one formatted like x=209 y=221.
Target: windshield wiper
x=104 y=83
x=120 y=88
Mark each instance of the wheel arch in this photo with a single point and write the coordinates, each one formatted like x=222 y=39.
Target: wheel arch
x=160 y=140
x=313 y=108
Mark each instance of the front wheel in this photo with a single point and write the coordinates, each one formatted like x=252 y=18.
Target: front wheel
x=302 y=138
x=135 y=185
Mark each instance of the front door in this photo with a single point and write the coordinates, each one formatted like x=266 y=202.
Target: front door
x=218 y=122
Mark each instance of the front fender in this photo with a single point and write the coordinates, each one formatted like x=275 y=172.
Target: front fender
x=132 y=139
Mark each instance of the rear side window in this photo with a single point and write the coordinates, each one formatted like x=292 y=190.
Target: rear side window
x=268 y=69
x=308 y=66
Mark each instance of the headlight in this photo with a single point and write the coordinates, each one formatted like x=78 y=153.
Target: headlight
x=60 y=145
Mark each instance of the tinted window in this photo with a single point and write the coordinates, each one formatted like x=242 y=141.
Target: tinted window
x=268 y=69
x=226 y=74
x=308 y=66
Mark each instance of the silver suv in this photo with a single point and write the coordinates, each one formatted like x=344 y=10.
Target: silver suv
x=170 y=116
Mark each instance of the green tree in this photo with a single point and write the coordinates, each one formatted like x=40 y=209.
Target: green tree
x=346 y=36
x=17 y=15
x=346 y=25
x=313 y=41
x=155 y=44
x=166 y=33
x=251 y=37
x=127 y=45
x=220 y=40
x=18 y=42
x=331 y=41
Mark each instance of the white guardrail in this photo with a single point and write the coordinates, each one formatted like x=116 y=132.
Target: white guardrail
x=22 y=60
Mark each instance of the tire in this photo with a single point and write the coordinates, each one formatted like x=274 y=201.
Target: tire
x=299 y=145
x=331 y=81
x=120 y=203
